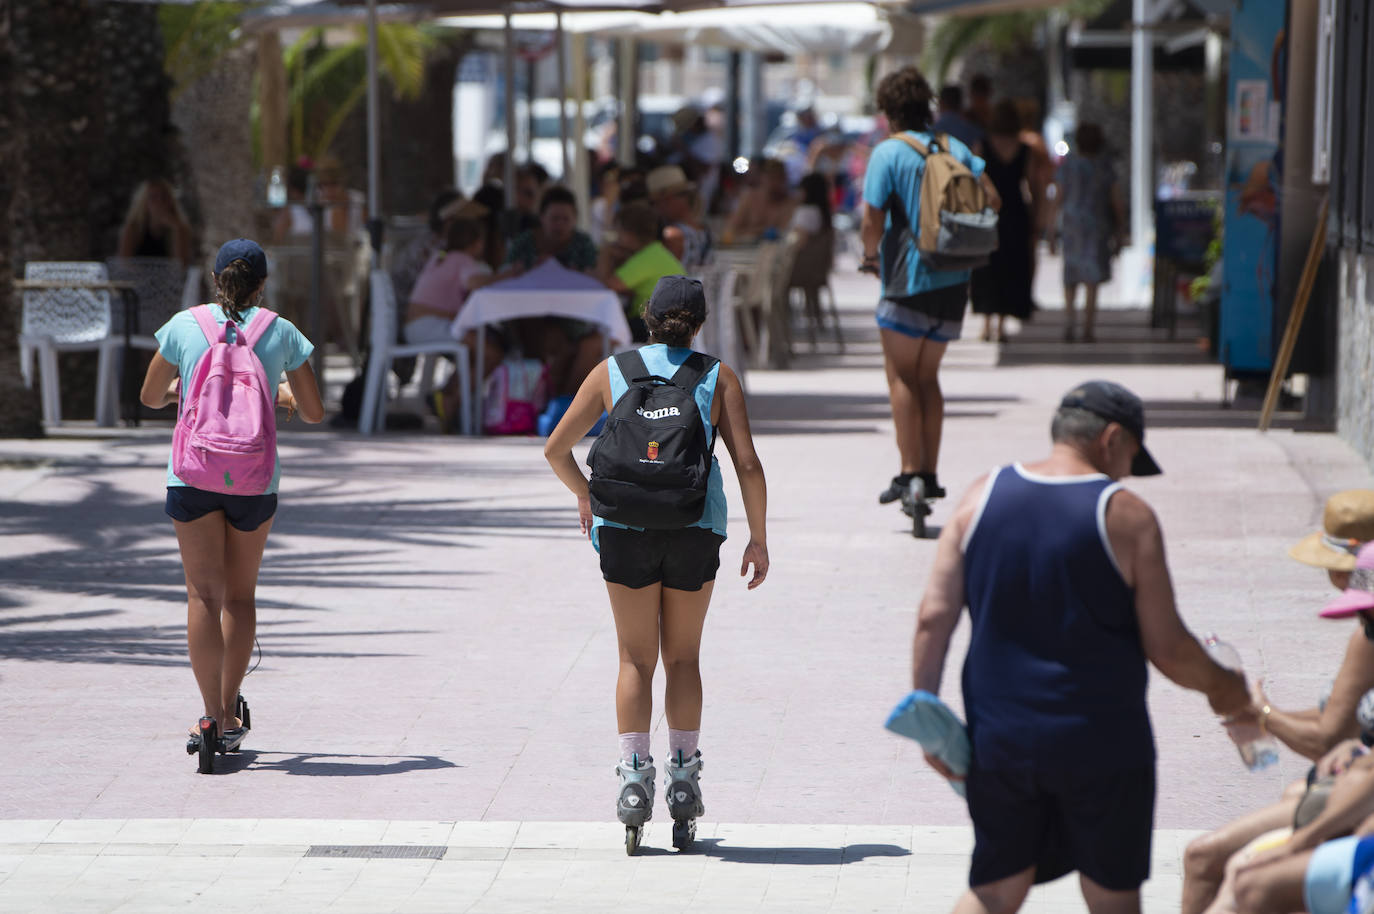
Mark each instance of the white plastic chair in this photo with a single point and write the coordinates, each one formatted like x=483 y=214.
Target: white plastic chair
x=372 y=418
x=68 y=320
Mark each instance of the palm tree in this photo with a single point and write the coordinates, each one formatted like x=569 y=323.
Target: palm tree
x=1002 y=32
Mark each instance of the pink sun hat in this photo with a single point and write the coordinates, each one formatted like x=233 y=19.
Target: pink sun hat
x=1358 y=596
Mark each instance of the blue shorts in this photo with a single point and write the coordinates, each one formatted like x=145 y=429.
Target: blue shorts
x=1331 y=873
x=243 y=512
x=929 y=315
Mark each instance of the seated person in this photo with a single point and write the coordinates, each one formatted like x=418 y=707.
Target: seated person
x=556 y=236
x=1316 y=869
x=155 y=226
x=1316 y=733
x=634 y=263
x=764 y=210
x=570 y=348
x=448 y=276
x=441 y=290
x=675 y=199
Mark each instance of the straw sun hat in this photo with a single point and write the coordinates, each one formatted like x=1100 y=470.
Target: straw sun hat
x=1347 y=524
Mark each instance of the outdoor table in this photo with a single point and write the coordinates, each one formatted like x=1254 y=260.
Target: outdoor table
x=549 y=290
x=128 y=295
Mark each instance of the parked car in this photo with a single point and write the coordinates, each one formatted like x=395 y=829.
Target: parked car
x=544 y=148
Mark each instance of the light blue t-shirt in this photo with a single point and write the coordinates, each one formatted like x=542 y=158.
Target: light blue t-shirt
x=282 y=348
x=894 y=174
x=664 y=362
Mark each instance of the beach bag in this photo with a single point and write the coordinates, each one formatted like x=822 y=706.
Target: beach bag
x=226 y=434
x=651 y=463
x=957 y=229
x=515 y=395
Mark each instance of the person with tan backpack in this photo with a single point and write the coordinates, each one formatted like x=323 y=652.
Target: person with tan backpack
x=929 y=218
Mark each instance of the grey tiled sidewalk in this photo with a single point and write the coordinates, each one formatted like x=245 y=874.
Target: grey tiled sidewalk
x=438 y=663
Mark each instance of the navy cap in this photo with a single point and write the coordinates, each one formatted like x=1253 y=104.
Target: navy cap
x=244 y=249
x=1115 y=404
x=678 y=293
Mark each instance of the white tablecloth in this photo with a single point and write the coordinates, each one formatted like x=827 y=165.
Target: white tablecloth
x=547 y=290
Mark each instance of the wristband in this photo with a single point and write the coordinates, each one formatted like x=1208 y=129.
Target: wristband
x=1264 y=718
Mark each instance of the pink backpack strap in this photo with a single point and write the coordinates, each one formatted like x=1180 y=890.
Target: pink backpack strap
x=212 y=330
x=258 y=326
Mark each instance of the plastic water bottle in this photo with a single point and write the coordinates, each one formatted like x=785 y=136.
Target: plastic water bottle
x=1257 y=750
x=276 y=188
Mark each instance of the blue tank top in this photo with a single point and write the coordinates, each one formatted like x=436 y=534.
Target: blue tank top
x=1055 y=674
x=664 y=362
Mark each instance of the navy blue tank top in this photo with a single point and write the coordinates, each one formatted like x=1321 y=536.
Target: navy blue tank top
x=1055 y=674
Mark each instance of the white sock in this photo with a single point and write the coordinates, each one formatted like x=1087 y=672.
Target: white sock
x=684 y=742
x=634 y=744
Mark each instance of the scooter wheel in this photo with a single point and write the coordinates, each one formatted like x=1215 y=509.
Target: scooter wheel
x=632 y=836
x=209 y=742
x=684 y=833
x=918 y=522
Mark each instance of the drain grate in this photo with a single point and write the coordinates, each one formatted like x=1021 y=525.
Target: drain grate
x=379 y=851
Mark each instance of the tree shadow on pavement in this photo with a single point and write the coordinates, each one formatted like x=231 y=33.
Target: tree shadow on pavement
x=331 y=765
x=163 y=645
x=791 y=856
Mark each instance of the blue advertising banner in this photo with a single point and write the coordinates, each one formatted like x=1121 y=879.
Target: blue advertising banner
x=1254 y=164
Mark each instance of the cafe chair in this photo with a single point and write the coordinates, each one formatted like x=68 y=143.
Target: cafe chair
x=163 y=287
x=68 y=320
x=372 y=417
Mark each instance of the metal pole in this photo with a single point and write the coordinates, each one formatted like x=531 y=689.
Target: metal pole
x=628 y=58
x=509 y=176
x=1142 y=133
x=315 y=207
x=732 y=145
x=582 y=185
x=374 y=132
x=563 y=95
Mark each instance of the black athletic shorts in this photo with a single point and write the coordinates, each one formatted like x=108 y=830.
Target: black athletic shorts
x=244 y=512
x=1098 y=823
x=682 y=559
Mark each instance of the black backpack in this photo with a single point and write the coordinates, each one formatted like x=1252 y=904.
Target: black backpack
x=652 y=461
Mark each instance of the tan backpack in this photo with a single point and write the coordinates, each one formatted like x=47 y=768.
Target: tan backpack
x=957 y=230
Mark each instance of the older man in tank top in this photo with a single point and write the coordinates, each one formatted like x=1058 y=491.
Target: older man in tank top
x=1067 y=588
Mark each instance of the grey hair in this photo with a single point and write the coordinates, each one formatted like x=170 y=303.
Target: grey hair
x=1073 y=425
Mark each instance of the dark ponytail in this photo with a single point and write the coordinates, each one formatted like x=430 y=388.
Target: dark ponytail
x=673 y=328
x=235 y=286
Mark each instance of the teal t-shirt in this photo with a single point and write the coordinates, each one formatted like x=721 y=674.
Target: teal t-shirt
x=894 y=174
x=665 y=362
x=282 y=348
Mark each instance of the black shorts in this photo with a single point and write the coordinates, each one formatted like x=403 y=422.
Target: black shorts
x=1098 y=823
x=682 y=559
x=243 y=512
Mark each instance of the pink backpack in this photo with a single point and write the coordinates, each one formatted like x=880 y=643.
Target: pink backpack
x=516 y=393
x=226 y=436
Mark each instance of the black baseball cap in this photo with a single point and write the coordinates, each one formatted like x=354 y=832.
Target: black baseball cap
x=678 y=293
x=245 y=249
x=1115 y=404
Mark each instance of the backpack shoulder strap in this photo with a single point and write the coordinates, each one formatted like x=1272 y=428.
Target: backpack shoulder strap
x=632 y=367
x=942 y=140
x=912 y=142
x=693 y=371
x=212 y=330
x=258 y=326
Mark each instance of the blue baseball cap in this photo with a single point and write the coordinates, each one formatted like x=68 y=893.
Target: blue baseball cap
x=678 y=293
x=245 y=249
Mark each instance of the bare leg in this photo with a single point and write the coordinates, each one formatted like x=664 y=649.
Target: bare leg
x=1273 y=888
x=1004 y=895
x=202 y=544
x=987 y=327
x=932 y=403
x=1107 y=901
x=1070 y=293
x=901 y=355
x=238 y=622
x=1089 y=310
x=684 y=616
x=636 y=614
x=1204 y=862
